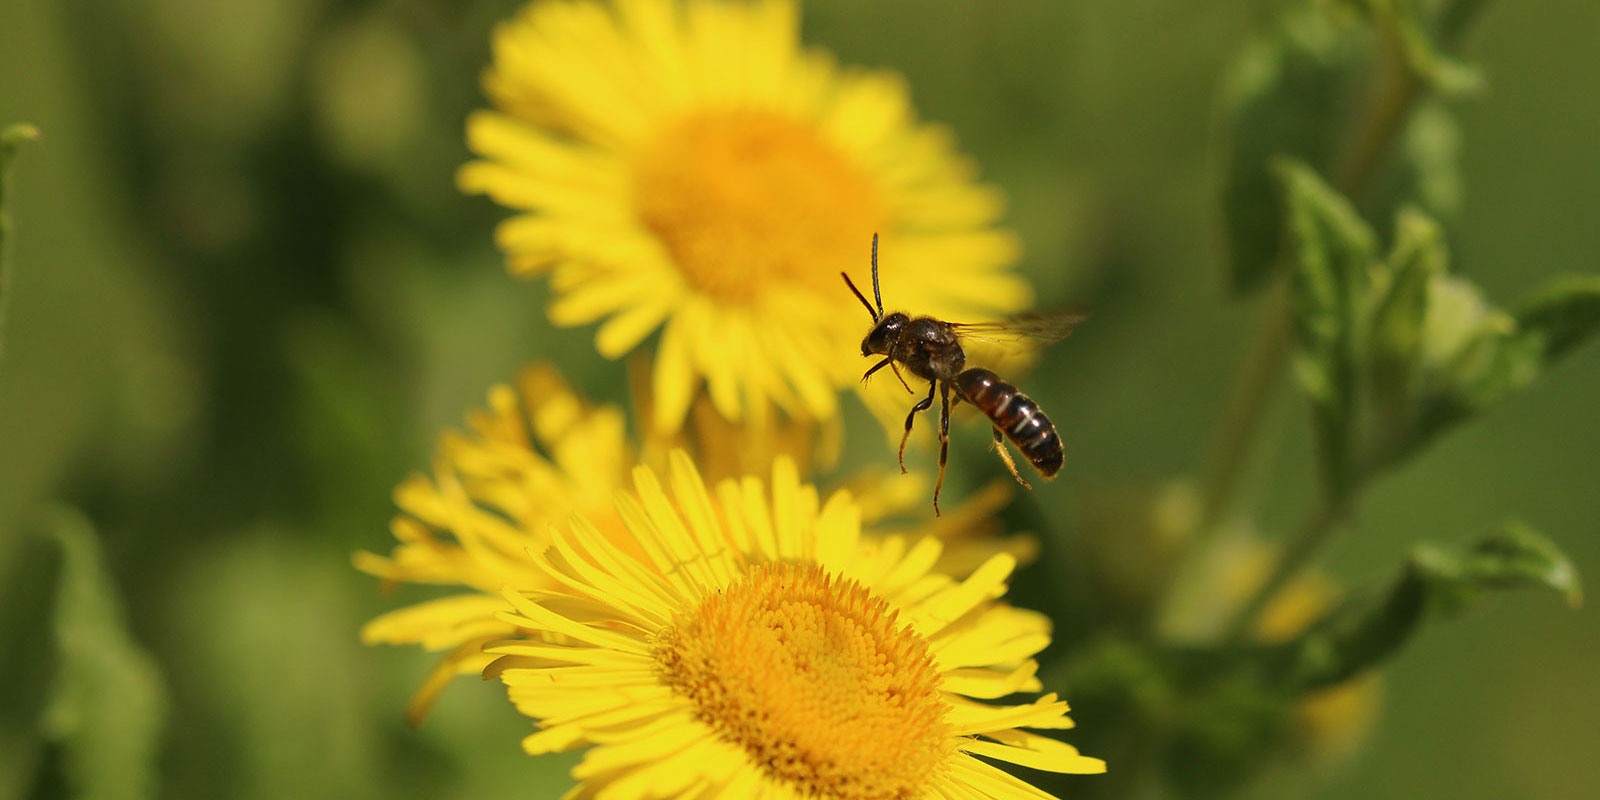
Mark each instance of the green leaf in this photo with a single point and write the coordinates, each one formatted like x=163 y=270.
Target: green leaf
x=107 y=705
x=1400 y=309
x=1478 y=355
x=1332 y=257
x=1288 y=95
x=1282 y=98
x=1425 y=173
x=1225 y=734
x=11 y=139
x=1437 y=583
x=270 y=596
x=1561 y=314
x=1430 y=152
x=1426 y=57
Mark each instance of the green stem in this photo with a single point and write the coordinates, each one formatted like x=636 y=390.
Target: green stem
x=1255 y=380
x=1397 y=89
x=1307 y=540
x=10 y=139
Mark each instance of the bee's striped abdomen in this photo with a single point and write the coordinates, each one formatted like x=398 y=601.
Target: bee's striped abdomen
x=1015 y=415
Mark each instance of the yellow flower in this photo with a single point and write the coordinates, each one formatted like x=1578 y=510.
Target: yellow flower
x=767 y=650
x=688 y=167
x=535 y=456
x=539 y=454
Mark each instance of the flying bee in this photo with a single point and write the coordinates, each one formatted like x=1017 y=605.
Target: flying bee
x=931 y=349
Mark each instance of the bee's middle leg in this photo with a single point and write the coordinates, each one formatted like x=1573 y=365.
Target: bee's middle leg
x=922 y=405
x=875 y=367
x=887 y=362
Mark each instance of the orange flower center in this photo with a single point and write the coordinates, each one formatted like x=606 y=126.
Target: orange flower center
x=747 y=200
x=814 y=678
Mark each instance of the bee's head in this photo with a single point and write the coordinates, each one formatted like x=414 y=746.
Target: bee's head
x=883 y=333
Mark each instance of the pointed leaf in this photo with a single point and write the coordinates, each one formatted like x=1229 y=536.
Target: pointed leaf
x=1480 y=355
x=1426 y=171
x=1418 y=257
x=1561 y=314
x=1332 y=254
x=1442 y=72
x=1438 y=583
x=1468 y=360
x=108 y=705
x=1430 y=153
x=1282 y=98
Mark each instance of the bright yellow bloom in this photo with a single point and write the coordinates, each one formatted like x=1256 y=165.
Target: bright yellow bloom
x=688 y=167
x=539 y=454
x=766 y=650
x=534 y=457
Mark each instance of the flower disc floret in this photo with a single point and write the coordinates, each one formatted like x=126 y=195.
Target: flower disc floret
x=751 y=644
x=814 y=677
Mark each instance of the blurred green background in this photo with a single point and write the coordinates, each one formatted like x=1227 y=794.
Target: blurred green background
x=247 y=296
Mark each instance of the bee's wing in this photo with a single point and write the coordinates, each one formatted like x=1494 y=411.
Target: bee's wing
x=1028 y=330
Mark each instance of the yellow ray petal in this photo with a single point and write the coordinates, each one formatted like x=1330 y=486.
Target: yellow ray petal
x=950 y=605
x=532 y=615
x=992 y=781
x=968 y=718
x=990 y=684
x=1036 y=752
x=663 y=741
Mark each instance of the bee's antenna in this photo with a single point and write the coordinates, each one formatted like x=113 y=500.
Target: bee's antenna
x=859 y=296
x=876 y=295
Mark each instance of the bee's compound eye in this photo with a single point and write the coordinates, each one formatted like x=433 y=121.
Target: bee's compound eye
x=876 y=342
x=883 y=334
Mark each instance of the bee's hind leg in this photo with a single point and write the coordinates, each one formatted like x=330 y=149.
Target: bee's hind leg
x=1005 y=455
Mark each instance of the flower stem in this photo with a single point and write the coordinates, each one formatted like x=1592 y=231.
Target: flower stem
x=1307 y=540
x=1255 y=380
x=1397 y=90
x=11 y=138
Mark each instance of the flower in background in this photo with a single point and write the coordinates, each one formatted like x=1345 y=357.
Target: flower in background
x=688 y=167
x=536 y=456
x=540 y=454
x=1329 y=724
x=767 y=650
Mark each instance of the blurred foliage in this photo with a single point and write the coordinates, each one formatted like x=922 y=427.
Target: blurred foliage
x=1436 y=582
x=1394 y=350
x=108 y=703
x=1337 y=85
x=245 y=296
